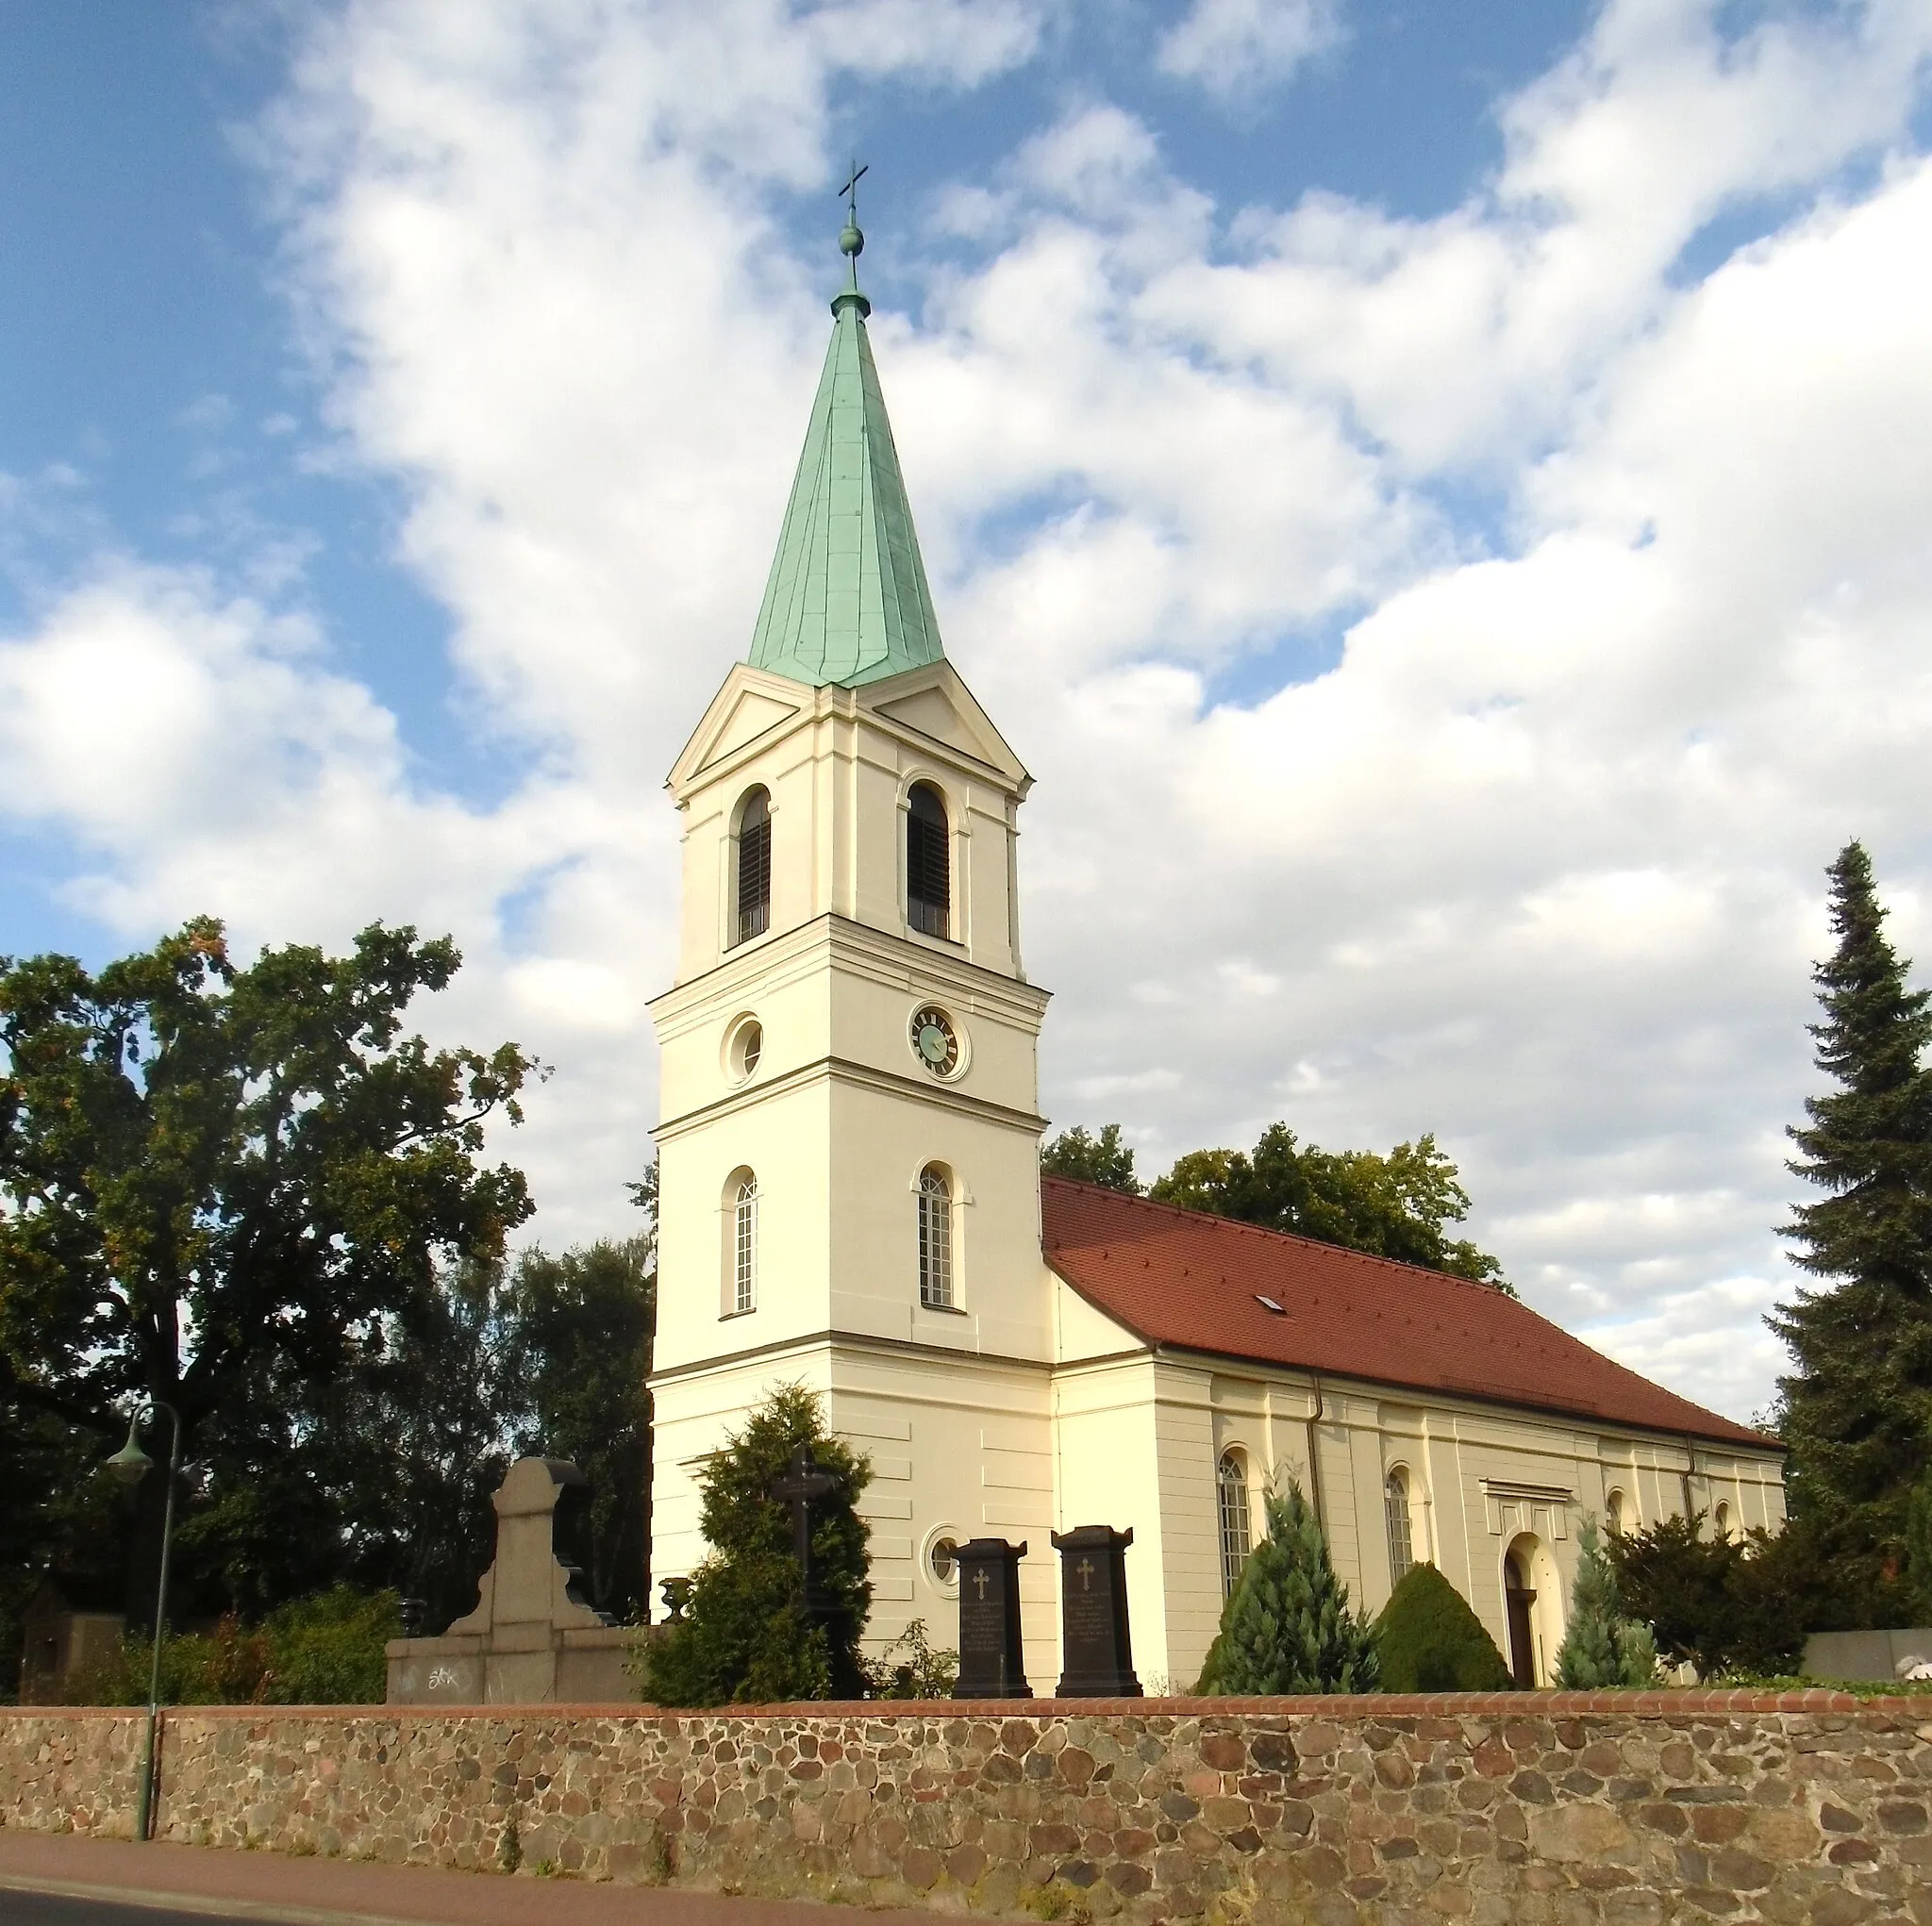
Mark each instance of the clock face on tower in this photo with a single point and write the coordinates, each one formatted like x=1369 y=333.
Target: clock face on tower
x=934 y=1041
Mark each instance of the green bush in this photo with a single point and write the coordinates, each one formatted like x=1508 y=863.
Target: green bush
x=1726 y=1607
x=1286 y=1626
x=1430 y=1641
x=911 y=1667
x=746 y=1638
x=227 y=1667
x=321 y=1650
x=329 y=1650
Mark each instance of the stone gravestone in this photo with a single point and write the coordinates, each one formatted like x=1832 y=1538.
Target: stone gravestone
x=992 y=1664
x=1095 y=1650
x=532 y=1638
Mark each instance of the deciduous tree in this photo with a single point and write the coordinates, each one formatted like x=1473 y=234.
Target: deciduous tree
x=1399 y=1205
x=577 y=1353
x=1103 y=1159
x=217 y=1177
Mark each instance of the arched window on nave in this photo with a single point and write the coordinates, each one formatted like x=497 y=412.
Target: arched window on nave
x=1236 y=1532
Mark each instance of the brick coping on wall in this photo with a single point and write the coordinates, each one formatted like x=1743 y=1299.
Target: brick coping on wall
x=1668 y=1704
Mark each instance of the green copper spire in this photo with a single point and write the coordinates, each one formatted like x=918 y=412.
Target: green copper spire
x=847 y=601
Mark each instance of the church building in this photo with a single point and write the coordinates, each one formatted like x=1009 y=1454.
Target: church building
x=851 y=1195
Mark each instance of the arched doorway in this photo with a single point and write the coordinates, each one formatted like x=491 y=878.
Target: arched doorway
x=1532 y=1606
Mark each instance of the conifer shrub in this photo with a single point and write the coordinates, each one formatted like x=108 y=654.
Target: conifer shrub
x=1430 y=1641
x=1853 y=1408
x=747 y=1637
x=1286 y=1626
x=1601 y=1647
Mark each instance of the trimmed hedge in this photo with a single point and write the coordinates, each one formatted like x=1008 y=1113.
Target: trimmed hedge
x=1430 y=1640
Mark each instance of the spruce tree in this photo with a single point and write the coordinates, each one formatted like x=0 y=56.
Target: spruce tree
x=1286 y=1626
x=1601 y=1647
x=1857 y=1410
x=746 y=1636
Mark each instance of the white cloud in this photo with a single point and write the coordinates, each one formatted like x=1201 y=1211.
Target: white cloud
x=1536 y=865
x=1236 y=46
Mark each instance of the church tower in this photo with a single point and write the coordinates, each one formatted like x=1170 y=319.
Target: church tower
x=848 y=1154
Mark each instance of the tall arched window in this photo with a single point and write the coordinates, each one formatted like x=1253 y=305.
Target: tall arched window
x=1231 y=1486
x=753 y=863
x=1727 y=1524
x=744 y=1245
x=934 y=1239
x=1395 y=1515
x=1618 y=1507
x=928 y=863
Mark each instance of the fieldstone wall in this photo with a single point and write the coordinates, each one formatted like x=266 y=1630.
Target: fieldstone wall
x=1623 y=1809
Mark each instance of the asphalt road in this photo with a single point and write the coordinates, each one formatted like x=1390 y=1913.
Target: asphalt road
x=56 y=1909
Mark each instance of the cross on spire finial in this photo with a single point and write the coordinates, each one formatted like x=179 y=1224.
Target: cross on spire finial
x=851 y=241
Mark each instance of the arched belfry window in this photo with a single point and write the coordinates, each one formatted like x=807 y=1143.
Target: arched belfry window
x=1396 y=1515
x=744 y=1243
x=752 y=861
x=928 y=863
x=1237 y=1541
x=934 y=1239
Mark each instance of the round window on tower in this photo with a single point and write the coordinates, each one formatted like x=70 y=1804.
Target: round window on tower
x=744 y=1044
x=942 y=1557
x=937 y=1041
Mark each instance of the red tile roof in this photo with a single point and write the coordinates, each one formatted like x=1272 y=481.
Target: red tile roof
x=1178 y=1277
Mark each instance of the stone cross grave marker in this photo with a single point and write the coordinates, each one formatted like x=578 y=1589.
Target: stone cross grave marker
x=803 y=1482
x=1095 y=1649
x=991 y=1663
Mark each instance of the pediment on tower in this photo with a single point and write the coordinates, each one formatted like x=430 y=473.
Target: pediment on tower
x=749 y=709
x=934 y=703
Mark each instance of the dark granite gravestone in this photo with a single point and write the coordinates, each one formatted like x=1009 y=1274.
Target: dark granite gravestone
x=1095 y=1650
x=991 y=1664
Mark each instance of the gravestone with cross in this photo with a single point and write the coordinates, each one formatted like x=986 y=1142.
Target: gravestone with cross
x=992 y=1664
x=1096 y=1650
x=801 y=1484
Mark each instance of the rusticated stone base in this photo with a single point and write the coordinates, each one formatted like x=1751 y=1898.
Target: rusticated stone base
x=1623 y=1809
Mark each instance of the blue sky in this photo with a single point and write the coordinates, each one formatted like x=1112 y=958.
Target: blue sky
x=1438 y=494
x=146 y=317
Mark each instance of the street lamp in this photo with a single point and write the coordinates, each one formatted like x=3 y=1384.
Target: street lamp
x=130 y=1464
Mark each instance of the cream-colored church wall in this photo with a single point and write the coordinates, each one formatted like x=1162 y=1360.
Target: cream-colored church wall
x=781 y=764
x=1108 y=1472
x=1479 y=1477
x=962 y=1448
x=1189 y=1520
x=877 y=985
x=691 y=1417
x=992 y=1166
x=838 y=774
x=1081 y=1331
x=785 y=1140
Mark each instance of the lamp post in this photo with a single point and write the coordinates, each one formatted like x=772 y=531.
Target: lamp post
x=130 y=1464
